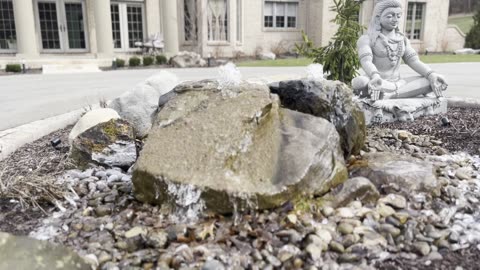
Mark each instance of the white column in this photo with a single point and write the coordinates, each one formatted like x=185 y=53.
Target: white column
x=233 y=21
x=170 y=27
x=25 y=28
x=103 y=27
x=153 y=17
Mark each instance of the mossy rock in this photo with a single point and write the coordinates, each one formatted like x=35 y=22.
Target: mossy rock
x=110 y=144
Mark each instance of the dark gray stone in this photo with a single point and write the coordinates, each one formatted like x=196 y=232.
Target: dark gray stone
x=330 y=100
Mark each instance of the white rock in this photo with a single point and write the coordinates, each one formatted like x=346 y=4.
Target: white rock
x=267 y=56
x=466 y=51
x=325 y=235
x=139 y=105
x=163 y=82
x=91 y=119
x=188 y=59
x=345 y=212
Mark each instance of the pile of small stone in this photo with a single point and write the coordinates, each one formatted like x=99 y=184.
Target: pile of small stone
x=102 y=221
x=402 y=142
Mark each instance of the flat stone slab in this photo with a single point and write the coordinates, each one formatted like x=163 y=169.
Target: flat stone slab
x=24 y=253
x=70 y=68
x=393 y=173
x=407 y=109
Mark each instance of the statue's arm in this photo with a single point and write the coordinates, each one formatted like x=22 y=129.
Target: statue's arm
x=365 y=55
x=412 y=60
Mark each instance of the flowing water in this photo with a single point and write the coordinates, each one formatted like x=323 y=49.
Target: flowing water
x=242 y=202
x=315 y=72
x=229 y=76
x=188 y=204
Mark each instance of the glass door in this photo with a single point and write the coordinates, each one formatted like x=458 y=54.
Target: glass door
x=50 y=27
x=128 y=25
x=75 y=26
x=62 y=25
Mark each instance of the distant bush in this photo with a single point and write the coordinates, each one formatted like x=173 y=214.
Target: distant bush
x=161 y=59
x=472 y=40
x=148 y=60
x=17 y=68
x=134 y=61
x=120 y=63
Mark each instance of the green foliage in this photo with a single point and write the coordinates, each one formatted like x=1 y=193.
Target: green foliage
x=339 y=58
x=134 y=61
x=472 y=40
x=17 y=68
x=148 y=60
x=120 y=63
x=161 y=59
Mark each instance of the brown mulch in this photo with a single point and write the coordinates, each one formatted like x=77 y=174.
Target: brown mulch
x=27 y=182
x=461 y=135
x=19 y=221
x=39 y=157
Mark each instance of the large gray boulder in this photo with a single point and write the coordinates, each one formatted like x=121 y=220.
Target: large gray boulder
x=397 y=174
x=139 y=105
x=331 y=100
x=235 y=148
x=23 y=253
x=110 y=144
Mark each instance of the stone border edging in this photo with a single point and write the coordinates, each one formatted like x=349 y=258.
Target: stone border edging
x=14 y=138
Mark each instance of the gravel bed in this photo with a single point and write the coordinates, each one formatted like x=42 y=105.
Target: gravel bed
x=103 y=222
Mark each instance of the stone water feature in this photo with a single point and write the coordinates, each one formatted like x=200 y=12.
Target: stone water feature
x=229 y=144
x=417 y=206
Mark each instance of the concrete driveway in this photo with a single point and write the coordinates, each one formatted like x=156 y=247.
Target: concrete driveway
x=27 y=98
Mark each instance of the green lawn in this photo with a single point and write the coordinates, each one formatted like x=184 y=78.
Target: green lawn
x=292 y=62
x=463 y=22
x=449 y=58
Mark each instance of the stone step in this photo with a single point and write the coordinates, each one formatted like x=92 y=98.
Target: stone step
x=70 y=68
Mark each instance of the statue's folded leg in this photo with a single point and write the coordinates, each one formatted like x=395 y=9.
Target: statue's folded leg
x=415 y=86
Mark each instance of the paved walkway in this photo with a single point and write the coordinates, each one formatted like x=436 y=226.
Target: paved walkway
x=27 y=98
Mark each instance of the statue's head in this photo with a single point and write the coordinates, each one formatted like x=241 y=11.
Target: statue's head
x=386 y=14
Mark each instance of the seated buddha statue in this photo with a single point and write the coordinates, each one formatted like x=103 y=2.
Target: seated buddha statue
x=381 y=51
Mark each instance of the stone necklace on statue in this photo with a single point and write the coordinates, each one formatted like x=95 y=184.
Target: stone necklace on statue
x=393 y=55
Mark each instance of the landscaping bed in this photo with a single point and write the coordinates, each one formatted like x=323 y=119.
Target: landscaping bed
x=104 y=220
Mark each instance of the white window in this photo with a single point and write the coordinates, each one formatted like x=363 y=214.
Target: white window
x=61 y=25
x=217 y=20
x=415 y=15
x=128 y=24
x=8 y=36
x=280 y=14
